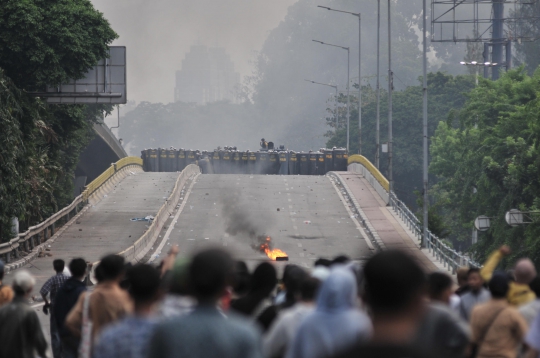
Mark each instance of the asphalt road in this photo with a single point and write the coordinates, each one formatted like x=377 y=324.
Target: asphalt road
x=105 y=228
x=304 y=216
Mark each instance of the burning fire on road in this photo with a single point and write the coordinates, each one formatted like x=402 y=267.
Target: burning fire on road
x=265 y=247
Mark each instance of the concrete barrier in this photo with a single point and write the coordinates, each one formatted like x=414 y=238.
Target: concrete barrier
x=142 y=246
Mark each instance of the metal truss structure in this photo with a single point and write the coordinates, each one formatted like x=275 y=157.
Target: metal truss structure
x=481 y=20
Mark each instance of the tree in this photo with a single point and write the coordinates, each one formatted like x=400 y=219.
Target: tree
x=489 y=162
x=43 y=42
x=49 y=42
x=447 y=94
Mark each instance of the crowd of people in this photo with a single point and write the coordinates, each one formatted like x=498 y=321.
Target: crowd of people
x=211 y=306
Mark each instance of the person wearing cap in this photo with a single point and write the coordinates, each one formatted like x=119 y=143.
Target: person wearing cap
x=519 y=292
x=6 y=292
x=21 y=335
x=497 y=327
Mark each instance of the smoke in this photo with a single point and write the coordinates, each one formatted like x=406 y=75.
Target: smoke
x=240 y=222
x=159 y=33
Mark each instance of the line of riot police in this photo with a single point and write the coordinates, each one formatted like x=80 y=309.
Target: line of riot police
x=231 y=161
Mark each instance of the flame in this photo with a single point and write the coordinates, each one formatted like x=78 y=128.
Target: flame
x=271 y=253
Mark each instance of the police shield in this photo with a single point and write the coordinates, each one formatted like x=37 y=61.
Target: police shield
x=172 y=160
x=320 y=164
x=293 y=163
x=216 y=162
x=190 y=157
x=340 y=159
x=283 y=163
x=262 y=163
x=313 y=163
x=181 y=160
x=225 y=162
x=303 y=160
x=252 y=162
x=244 y=160
x=162 y=160
x=328 y=160
x=273 y=162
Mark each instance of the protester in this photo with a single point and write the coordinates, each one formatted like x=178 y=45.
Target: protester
x=291 y=285
x=442 y=332
x=263 y=282
x=519 y=292
x=206 y=332
x=323 y=262
x=66 y=298
x=242 y=280
x=6 y=293
x=282 y=331
x=394 y=292
x=533 y=339
x=462 y=274
x=530 y=310
x=282 y=290
x=177 y=301
x=497 y=328
x=106 y=304
x=51 y=287
x=477 y=294
x=129 y=337
x=336 y=323
x=20 y=330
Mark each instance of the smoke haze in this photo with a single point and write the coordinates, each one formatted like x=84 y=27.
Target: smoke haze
x=159 y=33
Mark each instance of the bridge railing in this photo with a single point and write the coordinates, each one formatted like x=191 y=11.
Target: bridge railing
x=40 y=233
x=450 y=258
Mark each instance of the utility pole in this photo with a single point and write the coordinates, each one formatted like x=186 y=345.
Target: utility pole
x=497 y=37
x=377 y=139
x=425 y=243
x=359 y=83
x=390 y=88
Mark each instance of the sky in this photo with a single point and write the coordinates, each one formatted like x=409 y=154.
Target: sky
x=159 y=33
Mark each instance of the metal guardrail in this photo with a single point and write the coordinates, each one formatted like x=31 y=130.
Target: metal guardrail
x=450 y=258
x=40 y=233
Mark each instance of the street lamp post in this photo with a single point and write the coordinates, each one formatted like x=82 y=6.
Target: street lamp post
x=390 y=89
x=348 y=79
x=377 y=139
x=359 y=15
x=425 y=243
x=335 y=101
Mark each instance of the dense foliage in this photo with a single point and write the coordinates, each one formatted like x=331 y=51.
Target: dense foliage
x=447 y=94
x=48 y=42
x=488 y=162
x=43 y=42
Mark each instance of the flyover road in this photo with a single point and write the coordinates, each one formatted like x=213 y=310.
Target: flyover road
x=105 y=228
x=304 y=216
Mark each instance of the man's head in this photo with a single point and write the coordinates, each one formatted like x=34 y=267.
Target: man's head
x=210 y=272
x=498 y=285
x=440 y=287
x=461 y=275
x=110 y=268
x=144 y=284
x=1 y=270
x=59 y=265
x=524 y=271
x=309 y=288
x=341 y=259
x=23 y=283
x=474 y=279
x=394 y=284
x=77 y=267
